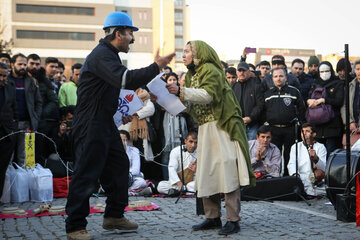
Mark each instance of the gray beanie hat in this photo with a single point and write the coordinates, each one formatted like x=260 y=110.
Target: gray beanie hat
x=313 y=60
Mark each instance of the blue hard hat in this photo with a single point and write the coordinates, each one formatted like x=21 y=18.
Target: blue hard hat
x=119 y=19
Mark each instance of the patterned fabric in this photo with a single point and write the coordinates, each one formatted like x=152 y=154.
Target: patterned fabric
x=204 y=113
x=225 y=107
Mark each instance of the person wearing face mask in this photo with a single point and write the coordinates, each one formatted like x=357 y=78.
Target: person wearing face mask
x=329 y=133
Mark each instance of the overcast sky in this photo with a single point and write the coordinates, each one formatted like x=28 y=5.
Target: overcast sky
x=230 y=25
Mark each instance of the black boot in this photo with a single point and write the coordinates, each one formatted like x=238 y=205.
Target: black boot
x=230 y=228
x=208 y=224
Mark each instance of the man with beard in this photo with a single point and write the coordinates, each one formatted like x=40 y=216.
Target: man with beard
x=99 y=152
x=340 y=70
x=313 y=66
x=50 y=111
x=28 y=100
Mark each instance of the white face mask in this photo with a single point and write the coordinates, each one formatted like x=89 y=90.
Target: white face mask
x=325 y=72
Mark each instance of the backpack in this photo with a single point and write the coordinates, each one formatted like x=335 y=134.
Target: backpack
x=322 y=113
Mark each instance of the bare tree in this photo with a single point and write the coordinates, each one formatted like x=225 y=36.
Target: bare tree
x=5 y=46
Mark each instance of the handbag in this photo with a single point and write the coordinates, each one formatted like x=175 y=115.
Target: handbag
x=151 y=132
x=319 y=114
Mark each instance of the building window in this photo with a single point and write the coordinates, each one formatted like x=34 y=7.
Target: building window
x=178 y=15
x=121 y=9
x=179 y=41
x=178 y=55
x=27 y=8
x=178 y=29
x=179 y=3
x=143 y=15
x=145 y=40
x=30 y=34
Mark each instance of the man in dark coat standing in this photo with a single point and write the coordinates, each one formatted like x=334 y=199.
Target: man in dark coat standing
x=250 y=97
x=8 y=121
x=99 y=153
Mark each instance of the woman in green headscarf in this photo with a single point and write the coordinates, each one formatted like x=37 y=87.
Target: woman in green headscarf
x=223 y=163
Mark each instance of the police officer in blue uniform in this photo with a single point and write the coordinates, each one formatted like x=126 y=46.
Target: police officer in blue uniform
x=99 y=153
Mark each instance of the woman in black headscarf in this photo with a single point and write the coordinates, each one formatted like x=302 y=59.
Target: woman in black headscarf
x=329 y=133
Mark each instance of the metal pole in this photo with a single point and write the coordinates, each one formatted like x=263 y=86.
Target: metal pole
x=347 y=114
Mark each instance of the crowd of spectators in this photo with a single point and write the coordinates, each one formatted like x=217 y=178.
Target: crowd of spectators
x=273 y=100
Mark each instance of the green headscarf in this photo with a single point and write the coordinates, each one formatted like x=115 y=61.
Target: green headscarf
x=226 y=108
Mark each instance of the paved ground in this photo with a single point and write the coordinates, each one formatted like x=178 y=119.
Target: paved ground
x=260 y=220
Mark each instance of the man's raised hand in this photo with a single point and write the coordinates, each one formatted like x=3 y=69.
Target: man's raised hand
x=162 y=61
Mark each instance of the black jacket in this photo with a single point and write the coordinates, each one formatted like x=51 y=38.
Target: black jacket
x=50 y=108
x=283 y=105
x=8 y=111
x=334 y=97
x=305 y=84
x=250 y=97
x=101 y=78
x=268 y=83
x=33 y=100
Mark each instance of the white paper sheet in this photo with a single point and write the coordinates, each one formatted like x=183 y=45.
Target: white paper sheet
x=129 y=103
x=169 y=101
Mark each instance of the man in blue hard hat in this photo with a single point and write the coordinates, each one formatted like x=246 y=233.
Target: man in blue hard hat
x=99 y=153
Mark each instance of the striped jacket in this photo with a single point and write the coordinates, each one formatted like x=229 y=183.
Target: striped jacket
x=283 y=105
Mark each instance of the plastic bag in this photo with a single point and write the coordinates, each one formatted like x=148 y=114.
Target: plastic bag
x=6 y=193
x=41 y=184
x=19 y=181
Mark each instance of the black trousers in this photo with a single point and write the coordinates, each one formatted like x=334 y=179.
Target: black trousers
x=7 y=146
x=43 y=146
x=284 y=136
x=97 y=159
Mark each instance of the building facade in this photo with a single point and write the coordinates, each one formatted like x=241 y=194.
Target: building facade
x=70 y=29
